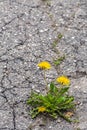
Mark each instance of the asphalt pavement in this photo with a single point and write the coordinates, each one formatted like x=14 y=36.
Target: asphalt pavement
x=28 y=29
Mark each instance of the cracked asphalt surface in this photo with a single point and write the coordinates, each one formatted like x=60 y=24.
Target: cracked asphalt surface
x=27 y=31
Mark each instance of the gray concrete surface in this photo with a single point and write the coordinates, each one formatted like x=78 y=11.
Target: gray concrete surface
x=27 y=31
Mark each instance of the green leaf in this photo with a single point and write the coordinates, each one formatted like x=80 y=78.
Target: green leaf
x=60 y=100
x=62 y=91
x=34 y=114
x=53 y=89
x=60 y=36
x=59 y=60
x=68 y=101
x=54 y=115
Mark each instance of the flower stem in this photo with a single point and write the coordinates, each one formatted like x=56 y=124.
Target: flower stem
x=45 y=80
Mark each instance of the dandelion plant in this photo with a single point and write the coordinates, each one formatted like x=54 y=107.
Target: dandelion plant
x=56 y=101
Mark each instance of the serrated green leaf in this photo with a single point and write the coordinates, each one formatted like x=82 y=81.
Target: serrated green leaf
x=59 y=60
x=54 y=115
x=63 y=91
x=52 y=86
x=60 y=100
x=60 y=36
x=53 y=89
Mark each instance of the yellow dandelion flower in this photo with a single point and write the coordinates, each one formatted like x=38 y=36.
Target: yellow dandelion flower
x=41 y=109
x=44 y=65
x=63 y=80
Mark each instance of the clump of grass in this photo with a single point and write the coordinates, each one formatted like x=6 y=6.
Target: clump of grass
x=56 y=101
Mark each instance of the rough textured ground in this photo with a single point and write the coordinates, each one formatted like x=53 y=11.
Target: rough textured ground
x=27 y=31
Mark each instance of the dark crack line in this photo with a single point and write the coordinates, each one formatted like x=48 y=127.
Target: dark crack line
x=8 y=89
x=4 y=96
x=7 y=23
x=78 y=74
x=14 y=118
x=20 y=43
x=2 y=28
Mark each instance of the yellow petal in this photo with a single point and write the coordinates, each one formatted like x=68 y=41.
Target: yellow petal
x=44 y=65
x=63 y=80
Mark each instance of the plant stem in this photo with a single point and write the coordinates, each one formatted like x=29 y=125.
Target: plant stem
x=45 y=80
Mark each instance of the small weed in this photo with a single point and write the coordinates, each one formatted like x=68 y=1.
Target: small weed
x=59 y=37
x=59 y=60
